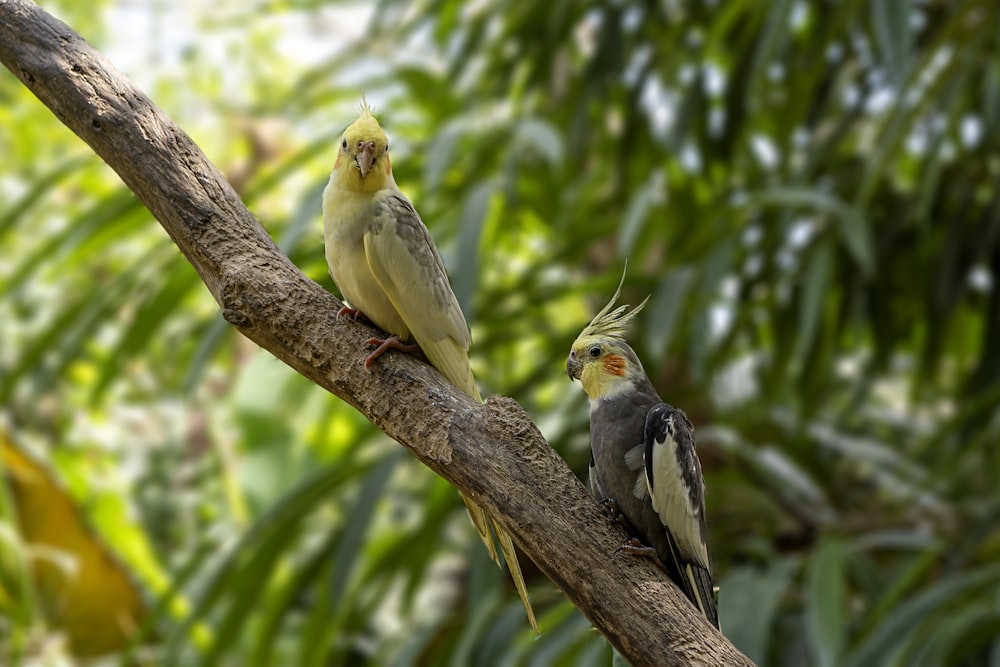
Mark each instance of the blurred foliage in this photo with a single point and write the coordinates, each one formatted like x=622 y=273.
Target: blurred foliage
x=77 y=584
x=809 y=192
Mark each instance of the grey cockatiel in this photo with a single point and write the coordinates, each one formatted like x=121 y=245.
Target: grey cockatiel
x=386 y=266
x=643 y=454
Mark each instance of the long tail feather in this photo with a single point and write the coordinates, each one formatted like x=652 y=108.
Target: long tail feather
x=701 y=592
x=507 y=547
x=481 y=521
x=454 y=365
x=695 y=582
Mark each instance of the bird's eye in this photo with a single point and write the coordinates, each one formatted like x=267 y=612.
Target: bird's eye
x=595 y=351
x=344 y=145
x=387 y=147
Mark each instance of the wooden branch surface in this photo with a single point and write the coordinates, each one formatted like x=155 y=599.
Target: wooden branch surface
x=493 y=452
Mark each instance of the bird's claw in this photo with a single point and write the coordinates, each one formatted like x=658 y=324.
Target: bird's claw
x=351 y=313
x=384 y=345
x=611 y=508
x=633 y=547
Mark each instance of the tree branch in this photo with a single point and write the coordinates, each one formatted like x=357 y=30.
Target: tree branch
x=492 y=452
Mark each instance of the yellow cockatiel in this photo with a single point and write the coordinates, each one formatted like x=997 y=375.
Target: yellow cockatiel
x=385 y=264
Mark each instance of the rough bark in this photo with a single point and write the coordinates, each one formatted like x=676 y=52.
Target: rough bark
x=492 y=452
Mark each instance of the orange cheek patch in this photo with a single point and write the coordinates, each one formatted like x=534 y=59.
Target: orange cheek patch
x=388 y=165
x=614 y=364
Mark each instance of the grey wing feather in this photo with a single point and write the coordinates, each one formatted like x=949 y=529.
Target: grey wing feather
x=634 y=461
x=409 y=270
x=410 y=264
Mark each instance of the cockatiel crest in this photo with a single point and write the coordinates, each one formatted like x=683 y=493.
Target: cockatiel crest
x=612 y=324
x=600 y=356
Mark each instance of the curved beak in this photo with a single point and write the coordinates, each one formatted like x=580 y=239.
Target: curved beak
x=574 y=367
x=365 y=156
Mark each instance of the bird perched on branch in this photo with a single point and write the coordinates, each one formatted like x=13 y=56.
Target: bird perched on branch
x=385 y=264
x=643 y=457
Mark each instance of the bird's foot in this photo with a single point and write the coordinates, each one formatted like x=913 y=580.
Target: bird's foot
x=614 y=512
x=633 y=547
x=352 y=313
x=390 y=343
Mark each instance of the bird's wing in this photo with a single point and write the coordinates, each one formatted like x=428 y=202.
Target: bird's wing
x=673 y=475
x=677 y=492
x=409 y=270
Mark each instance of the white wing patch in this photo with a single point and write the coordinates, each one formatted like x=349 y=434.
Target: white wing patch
x=641 y=488
x=672 y=501
x=635 y=461
x=635 y=458
x=596 y=488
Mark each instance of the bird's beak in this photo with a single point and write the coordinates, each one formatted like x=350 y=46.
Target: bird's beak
x=574 y=367
x=365 y=157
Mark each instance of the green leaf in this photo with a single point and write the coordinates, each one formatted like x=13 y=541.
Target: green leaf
x=827 y=602
x=247 y=586
x=281 y=604
x=270 y=533
x=466 y=261
x=350 y=550
x=903 y=627
x=207 y=348
x=41 y=187
x=665 y=309
x=542 y=137
x=907 y=577
x=892 y=28
x=109 y=216
x=149 y=320
x=770 y=39
x=439 y=153
x=749 y=600
x=959 y=637
x=853 y=228
x=303 y=218
x=818 y=271
x=643 y=200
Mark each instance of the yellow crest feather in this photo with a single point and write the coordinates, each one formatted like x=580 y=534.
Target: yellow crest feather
x=610 y=323
x=365 y=108
x=366 y=126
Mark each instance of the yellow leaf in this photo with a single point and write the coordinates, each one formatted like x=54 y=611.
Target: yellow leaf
x=82 y=589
